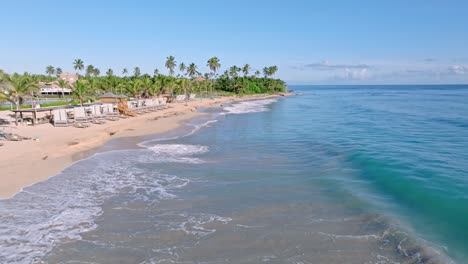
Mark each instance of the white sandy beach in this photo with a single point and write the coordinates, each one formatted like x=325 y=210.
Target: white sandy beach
x=26 y=162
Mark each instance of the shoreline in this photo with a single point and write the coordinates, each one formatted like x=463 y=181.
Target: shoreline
x=25 y=163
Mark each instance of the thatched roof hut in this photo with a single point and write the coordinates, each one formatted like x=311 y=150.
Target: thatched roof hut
x=112 y=98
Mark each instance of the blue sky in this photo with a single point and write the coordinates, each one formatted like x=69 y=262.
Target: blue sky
x=312 y=42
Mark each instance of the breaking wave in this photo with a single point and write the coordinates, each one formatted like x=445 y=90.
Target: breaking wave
x=58 y=210
x=249 y=106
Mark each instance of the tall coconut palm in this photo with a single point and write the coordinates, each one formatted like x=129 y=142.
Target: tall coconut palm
x=78 y=65
x=266 y=72
x=109 y=72
x=124 y=71
x=15 y=87
x=192 y=70
x=136 y=72
x=246 y=69
x=182 y=68
x=171 y=64
x=122 y=86
x=50 y=70
x=134 y=88
x=89 y=70
x=183 y=83
x=96 y=72
x=81 y=91
x=63 y=84
x=156 y=72
x=145 y=87
x=233 y=71
x=111 y=83
x=58 y=71
x=213 y=64
x=273 y=69
x=257 y=73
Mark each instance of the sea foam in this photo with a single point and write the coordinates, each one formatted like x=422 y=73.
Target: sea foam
x=58 y=210
x=249 y=106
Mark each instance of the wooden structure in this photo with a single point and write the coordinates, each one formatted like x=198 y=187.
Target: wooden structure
x=33 y=112
x=112 y=98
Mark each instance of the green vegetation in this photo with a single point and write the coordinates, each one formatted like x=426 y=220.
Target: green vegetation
x=48 y=104
x=236 y=80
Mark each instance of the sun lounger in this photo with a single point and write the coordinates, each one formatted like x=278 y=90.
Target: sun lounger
x=109 y=113
x=162 y=103
x=12 y=137
x=97 y=115
x=61 y=118
x=80 y=115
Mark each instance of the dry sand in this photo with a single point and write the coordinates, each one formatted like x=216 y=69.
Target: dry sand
x=26 y=162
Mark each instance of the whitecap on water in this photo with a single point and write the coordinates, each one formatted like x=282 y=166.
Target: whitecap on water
x=249 y=106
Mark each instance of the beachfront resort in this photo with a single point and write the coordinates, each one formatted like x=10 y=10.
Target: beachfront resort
x=87 y=98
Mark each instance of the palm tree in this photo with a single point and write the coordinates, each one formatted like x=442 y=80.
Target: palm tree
x=146 y=86
x=136 y=72
x=266 y=71
x=15 y=87
x=184 y=84
x=89 y=70
x=233 y=71
x=192 y=70
x=171 y=64
x=112 y=83
x=133 y=88
x=182 y=68
x=156 y=72
x=50 y=70
x=62 y=84
x=122 y=86
x=81 y=91
x=273 y=70
x=78 y=64
x=58 y=71
x=246 y=69
x=257 y=73
x=213 y=64
x=124 y=71
x=96 y=72
x=109 y=72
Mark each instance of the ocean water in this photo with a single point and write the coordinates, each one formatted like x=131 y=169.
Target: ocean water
x=345 y=174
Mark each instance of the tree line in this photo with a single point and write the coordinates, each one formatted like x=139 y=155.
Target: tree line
x=91 y=84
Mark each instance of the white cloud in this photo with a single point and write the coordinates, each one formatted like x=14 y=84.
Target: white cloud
x=356 y=74
x=458 y=69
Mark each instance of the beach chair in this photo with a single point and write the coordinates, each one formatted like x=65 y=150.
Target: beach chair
x=12 y=137
x=61 y=118
x=156 y=105
x=163 y=103
x=133 y=106
x=97 y=116
x=80 y=115
x=109 y=113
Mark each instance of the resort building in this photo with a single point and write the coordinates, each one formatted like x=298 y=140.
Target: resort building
x=53 y=88
x=69 y=77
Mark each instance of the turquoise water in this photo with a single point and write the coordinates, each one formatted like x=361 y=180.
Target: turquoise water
x=347 y=174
